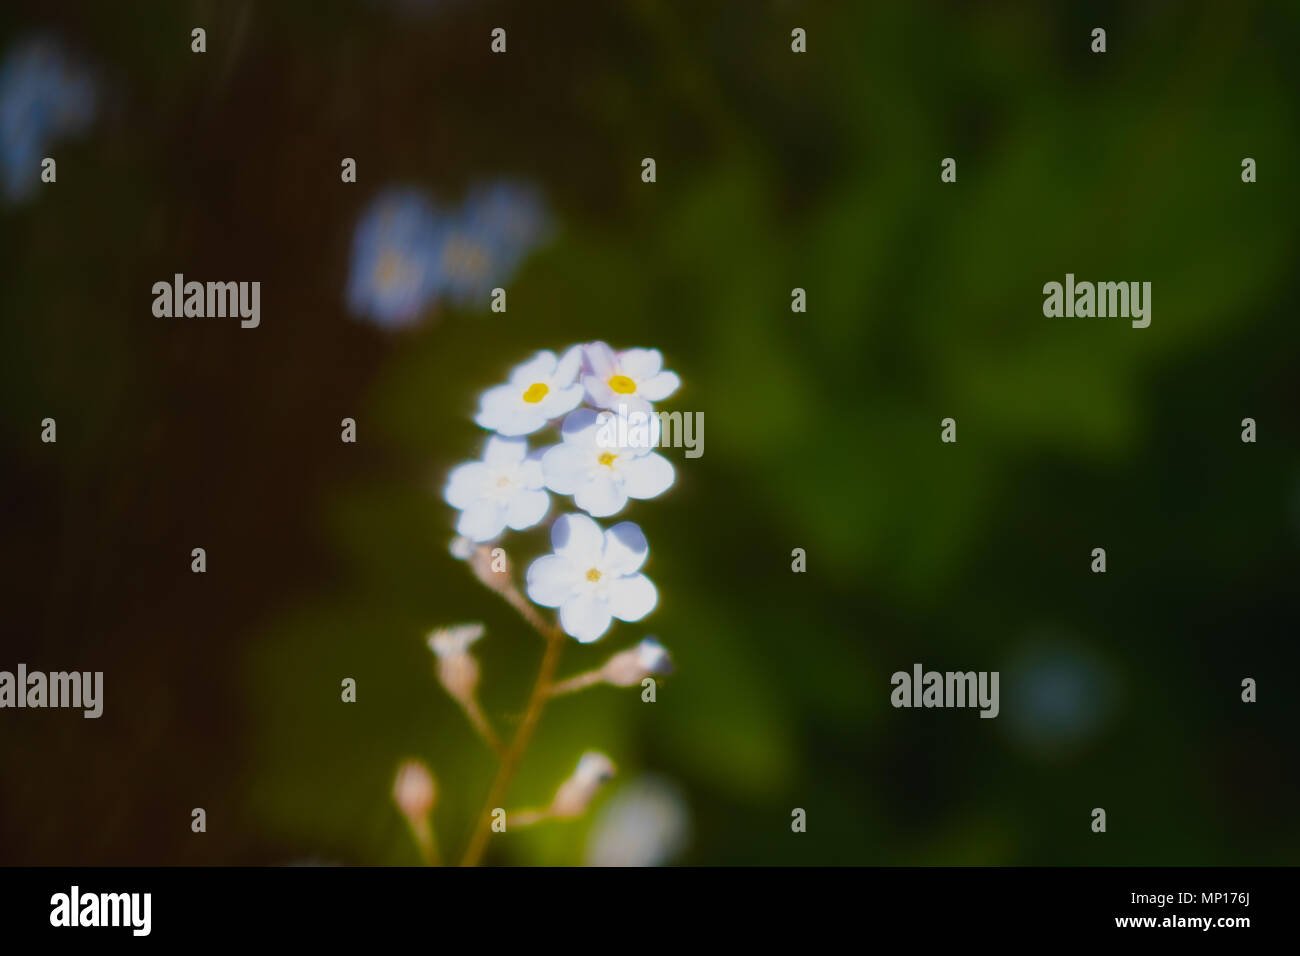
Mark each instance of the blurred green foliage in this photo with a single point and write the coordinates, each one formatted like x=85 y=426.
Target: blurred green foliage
x=822 y=429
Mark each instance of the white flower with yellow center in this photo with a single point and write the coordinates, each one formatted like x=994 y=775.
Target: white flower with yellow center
x=602 y=466
x=543 y=388
x=505 y=489
x=593 y=576
x=628 y=380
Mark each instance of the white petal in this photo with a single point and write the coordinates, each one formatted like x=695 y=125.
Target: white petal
x=625 y=548
x=539 y=368
x=501 y=453
x=600 y=360
x=496 y=404
x=527 y=508
x=598 y=391
x=641 y=364
x=566 y=372
x=482 y=521
x=466 y=484
x=659 y=387
x=531 y=472
x=630 y=406
x=558 y=401
x=632 y=598
x=600 y=495
x=578 y=538
x=581 y=427
x=647 y=476
x=550 y=580
x=522 y=420
x=566 y=467
x=584 y=617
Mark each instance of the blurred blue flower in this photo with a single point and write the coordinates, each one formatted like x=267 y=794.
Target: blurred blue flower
x=406 y=252
x=1058 y=695
x=43 y=97
x=483 y=245
x=392 y=278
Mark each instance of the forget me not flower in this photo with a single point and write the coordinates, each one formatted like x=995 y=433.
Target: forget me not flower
x=482 y=245
x=504 y=489
x=593 y=576
x=393 y=276
x=601 y=475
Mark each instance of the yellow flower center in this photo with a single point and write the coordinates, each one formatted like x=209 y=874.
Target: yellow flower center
x=622 y=384
x=536 y=392
x=503 y=481
x=607 y=459
x=593 y=575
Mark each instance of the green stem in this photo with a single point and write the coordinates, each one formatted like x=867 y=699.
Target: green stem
x=523 y=736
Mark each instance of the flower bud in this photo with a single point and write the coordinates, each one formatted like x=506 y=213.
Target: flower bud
x=575 y=794
x=461 y=548
x=457 y=669
x=628 y=668
x=458 y=672
x=454 y=640
x=459 y=675
x=414 y=791
x=594 y=768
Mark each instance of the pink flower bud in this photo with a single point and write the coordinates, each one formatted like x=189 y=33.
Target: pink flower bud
x=628 y=668
x=414 y=791
x=575 y=794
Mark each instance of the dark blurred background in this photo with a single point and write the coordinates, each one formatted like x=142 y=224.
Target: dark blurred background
x=775 y=170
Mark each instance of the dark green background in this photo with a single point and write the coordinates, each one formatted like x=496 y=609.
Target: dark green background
x=822 y=430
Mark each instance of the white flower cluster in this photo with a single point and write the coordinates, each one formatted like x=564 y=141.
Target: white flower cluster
x=593 y=576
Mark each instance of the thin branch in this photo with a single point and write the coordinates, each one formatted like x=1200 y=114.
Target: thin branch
x=480 y=562
x=476 y=717
x=510 y=761
x=425 y=841
x=526 y=818
x=578 y=682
